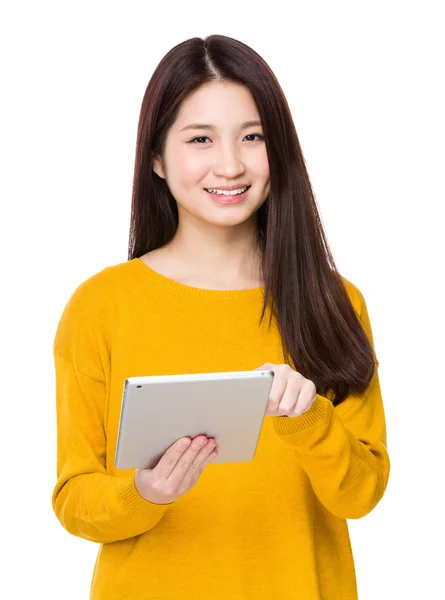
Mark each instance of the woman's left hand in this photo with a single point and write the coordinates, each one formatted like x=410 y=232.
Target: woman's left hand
x=291 y=394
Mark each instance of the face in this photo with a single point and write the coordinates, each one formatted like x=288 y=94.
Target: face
x=198 y=158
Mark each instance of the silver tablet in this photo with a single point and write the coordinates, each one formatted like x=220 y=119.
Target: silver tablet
x=158 y=410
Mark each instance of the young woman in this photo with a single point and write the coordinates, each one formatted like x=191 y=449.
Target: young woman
x=228 y=269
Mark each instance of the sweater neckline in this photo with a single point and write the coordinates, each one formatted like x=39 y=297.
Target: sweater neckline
x=191 y=290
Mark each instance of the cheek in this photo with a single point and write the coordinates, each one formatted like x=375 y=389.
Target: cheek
x=189 y=166
x=259 y=166
x=263 y=166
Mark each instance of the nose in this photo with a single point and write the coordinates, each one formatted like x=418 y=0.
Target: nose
x=228 y=162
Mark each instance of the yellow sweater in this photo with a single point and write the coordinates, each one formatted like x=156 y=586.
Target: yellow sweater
x=273 y=528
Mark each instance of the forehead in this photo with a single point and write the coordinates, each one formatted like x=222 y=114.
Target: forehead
x=218 y=104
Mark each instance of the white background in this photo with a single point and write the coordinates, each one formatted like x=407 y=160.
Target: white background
x=364 y=84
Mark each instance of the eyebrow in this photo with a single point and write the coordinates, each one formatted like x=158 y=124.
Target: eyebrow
x=252 y=123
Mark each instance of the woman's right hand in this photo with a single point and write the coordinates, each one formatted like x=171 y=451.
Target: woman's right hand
x=177 y=471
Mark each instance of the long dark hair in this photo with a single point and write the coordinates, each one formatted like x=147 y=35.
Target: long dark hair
x=321 y=333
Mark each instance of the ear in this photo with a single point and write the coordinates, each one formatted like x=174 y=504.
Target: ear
x=157 y=167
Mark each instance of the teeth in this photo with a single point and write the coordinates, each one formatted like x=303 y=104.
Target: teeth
x=227 y=193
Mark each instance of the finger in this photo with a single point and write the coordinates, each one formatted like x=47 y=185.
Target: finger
x=171 y=456
x=276 y=393
x=186 y=460
x=292 y=396
x=204 y=457
x=196 y=467
x=305 y=399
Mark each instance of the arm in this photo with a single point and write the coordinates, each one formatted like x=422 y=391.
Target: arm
x=343 y=449
x=88 y=502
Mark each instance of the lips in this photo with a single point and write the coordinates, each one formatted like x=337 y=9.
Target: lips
x=228 y=199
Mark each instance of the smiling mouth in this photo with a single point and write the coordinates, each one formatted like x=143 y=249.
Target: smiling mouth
x=228 y=195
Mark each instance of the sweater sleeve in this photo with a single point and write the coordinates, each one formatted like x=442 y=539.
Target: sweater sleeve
x=343 y=449
x=89 y=502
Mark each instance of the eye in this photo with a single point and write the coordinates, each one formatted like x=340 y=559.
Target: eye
x=203 y=137
x=255 y=134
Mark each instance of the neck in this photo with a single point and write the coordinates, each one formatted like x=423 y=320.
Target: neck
x=234 y=260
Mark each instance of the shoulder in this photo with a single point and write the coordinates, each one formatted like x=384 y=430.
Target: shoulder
x=90 y=292
x=98 y=287
x=90 y=307
x=359 y=303
x=354 y=293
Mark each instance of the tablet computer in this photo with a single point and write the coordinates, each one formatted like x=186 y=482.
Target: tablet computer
x=158 y=410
